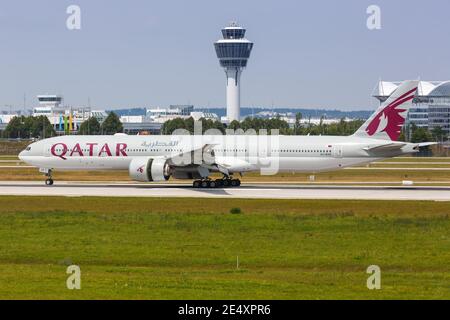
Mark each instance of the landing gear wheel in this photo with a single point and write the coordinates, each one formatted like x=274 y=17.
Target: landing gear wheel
x=196 y=184
x=205 y=184
x=226 y=183
x=219 y=183
x=235 y=183
x=212 y=184
x=48 y=174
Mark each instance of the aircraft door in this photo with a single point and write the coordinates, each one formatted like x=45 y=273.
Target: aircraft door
x=338 y=151
x=47 y=150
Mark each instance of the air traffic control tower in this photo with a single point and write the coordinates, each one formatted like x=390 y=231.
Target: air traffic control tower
x=233 y=52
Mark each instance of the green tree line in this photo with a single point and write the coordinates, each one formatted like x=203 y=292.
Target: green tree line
x=23 y=127
x=40 y=127
x=417 y=134
x=29 y=127
x=340 y=128
x=110 y=125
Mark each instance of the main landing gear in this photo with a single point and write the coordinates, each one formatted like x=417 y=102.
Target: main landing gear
x=218 y=183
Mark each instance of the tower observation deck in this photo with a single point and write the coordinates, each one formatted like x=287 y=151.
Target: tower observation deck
x=233 y=52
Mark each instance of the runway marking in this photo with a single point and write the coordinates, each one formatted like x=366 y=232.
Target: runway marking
x=17 y=167
x=412 y=162
x=347 y=168
x=399 y=168
x=247 y=192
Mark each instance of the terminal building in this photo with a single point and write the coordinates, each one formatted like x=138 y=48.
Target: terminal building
x=161 y=115
x=68 y=119
x=64 y=119
x=431 y=106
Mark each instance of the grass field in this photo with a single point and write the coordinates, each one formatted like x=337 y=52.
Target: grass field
x=187 y=248
x=343 y=176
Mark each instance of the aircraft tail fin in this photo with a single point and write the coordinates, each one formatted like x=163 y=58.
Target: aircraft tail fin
x=387 y=121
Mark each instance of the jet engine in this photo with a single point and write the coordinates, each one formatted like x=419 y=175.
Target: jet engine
x=149 y=169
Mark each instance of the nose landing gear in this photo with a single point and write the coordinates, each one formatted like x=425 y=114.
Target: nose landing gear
x=48 y=174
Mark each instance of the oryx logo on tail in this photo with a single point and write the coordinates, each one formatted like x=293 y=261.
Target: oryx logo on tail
x=386 y=123
x=391 y=118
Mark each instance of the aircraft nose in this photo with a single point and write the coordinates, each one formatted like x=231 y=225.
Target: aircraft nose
x=21 y=155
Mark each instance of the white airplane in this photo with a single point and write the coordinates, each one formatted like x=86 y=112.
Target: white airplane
x=157 y=158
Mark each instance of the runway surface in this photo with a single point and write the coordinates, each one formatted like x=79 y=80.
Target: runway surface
x=254 y=191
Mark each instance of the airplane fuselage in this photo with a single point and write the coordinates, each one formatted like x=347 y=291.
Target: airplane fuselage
x=234 y=152
x=157 y=158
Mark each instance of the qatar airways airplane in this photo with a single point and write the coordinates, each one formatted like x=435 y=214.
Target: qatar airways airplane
x=157 y=158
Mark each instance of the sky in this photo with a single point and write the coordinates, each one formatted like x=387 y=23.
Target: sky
x=144 y=53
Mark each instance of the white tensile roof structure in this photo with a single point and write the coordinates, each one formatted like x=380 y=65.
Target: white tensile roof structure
x=426 y=89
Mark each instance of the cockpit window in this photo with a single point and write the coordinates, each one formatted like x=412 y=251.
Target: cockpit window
x=28 y=149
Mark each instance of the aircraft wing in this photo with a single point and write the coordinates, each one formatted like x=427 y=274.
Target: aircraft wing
x=397 y=146
x=426 y=144
x=197 y=155
x=385 y=147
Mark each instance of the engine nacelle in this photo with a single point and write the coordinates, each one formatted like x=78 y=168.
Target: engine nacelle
x=149 y=169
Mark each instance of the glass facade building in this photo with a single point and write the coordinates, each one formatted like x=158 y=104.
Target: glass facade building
x=431 y=106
